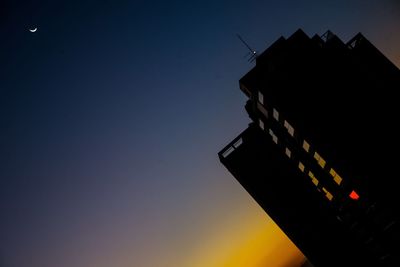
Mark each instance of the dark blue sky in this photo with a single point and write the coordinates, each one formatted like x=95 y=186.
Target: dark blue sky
x=112 y=114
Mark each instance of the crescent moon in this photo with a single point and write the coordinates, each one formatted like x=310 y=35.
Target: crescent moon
x=33 y=30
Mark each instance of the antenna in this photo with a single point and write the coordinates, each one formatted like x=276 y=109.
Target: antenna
x=252 y=53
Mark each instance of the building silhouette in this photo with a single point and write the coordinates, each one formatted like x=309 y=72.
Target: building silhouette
x=321 y=153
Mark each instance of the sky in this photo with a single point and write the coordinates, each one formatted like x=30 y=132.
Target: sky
x=111 y=117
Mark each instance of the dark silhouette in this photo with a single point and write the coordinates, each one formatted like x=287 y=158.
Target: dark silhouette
x=321 y=154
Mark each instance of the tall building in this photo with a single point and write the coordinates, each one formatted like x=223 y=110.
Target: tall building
x=321 y=153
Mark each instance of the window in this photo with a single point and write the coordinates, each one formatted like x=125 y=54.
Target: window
x=313 y=179
x=228 y=151
x=301 y=166
x=238 y=143
x=328 y=195
x=320 y=160
x=262 y=110
x=286 y=124
x=336 y=177
x=306 y=146
x=289 y=128
x=261 y=123
x=322 y=163
x=274 y=137
x=260 y=97
x=271 y=132
x=275 y=114
x=288 y=152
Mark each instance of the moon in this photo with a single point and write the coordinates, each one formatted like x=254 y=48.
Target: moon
x=33 y=30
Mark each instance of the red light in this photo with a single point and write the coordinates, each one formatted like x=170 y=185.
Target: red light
x=354 y=195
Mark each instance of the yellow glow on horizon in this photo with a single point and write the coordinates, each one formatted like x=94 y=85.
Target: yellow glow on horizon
x=252 y=241
x=266 y=247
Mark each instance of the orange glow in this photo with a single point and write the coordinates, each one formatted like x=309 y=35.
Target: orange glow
x=354 y=195
x=267 y=247
x=251 y=240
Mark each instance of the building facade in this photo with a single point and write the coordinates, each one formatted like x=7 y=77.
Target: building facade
x=320 y=155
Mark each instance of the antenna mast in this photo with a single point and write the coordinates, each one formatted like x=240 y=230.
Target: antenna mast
x=252 y=53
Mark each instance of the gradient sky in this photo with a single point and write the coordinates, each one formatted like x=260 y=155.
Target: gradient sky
x=111 y=117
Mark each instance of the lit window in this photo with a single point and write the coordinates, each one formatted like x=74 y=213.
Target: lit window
x=261 y=98
x=306 y=146
x=354 y=195
x=286 y=124
x=327 y=194
x=288 y=152
x=320 y=160
x=315 y=181
x=275 y=139
x=336 y=177
x=291 y=131
x=289 y=128
x=301 y=166
x=275 y=114
x=261 y=123
x=271 y=132
x=310 y=174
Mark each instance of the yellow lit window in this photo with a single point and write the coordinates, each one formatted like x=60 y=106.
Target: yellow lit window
x=322 y=162
x=310 y=174
x=338 y=179
x=328 y=195
x=336 y=176
x=315 y=181
x=288 y=152
x=306 y=146
x=301 y=166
